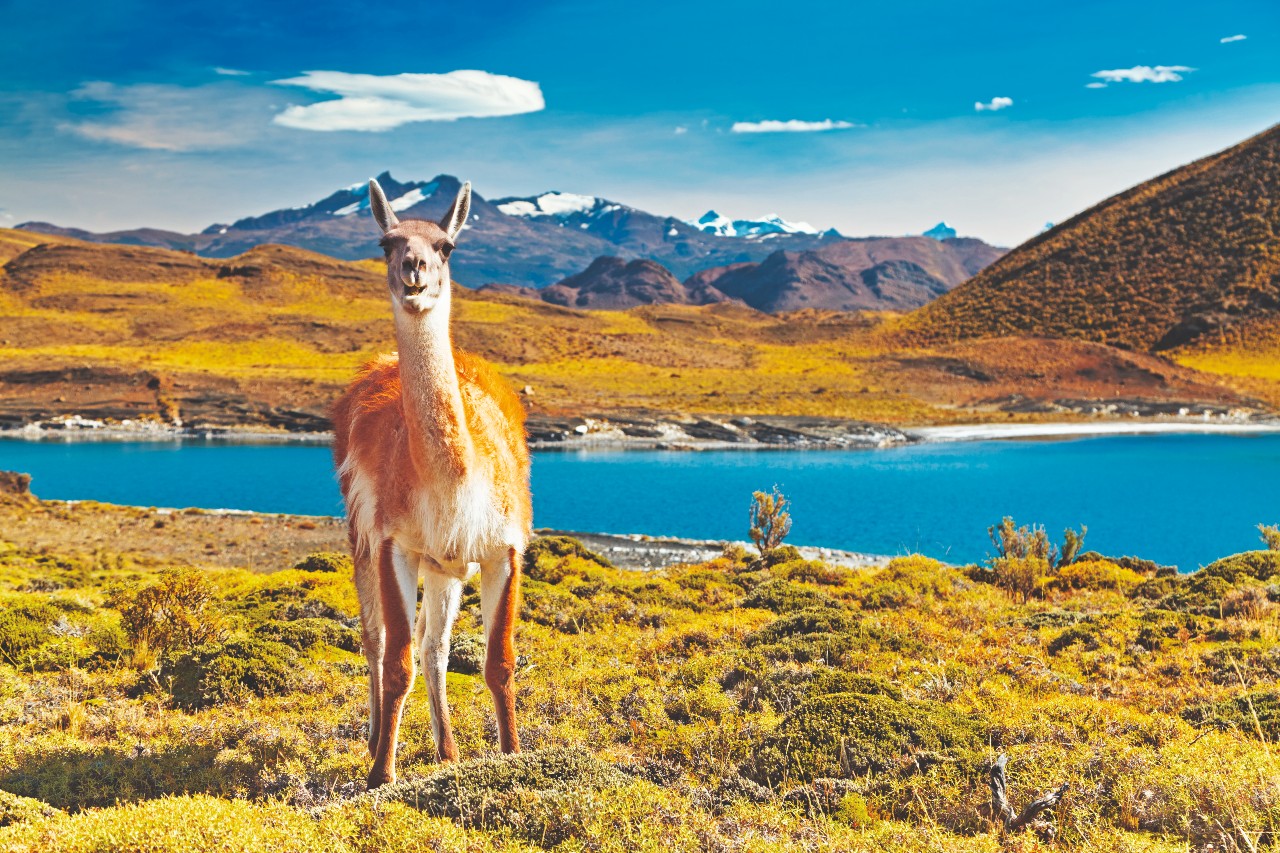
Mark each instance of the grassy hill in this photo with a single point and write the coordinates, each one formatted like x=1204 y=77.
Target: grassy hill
x=268 y=338
x=1180 y=258
x=737 y=704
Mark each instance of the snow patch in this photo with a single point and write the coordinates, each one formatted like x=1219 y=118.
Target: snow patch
x=354 y=207
x=551 y=204
x=713 y=223
x=519 y=208
x=408 y=200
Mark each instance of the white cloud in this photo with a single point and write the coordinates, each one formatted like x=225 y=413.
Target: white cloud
x=681 y=130
x=791 y=126
x=994 y=105
x=1230 y=39
x=371 y=102
x=1095 y=85
x=229 y=72
x=1144 y=74
x=161 y=117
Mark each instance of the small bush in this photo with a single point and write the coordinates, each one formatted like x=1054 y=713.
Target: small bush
x=547 y=553
x=231 y=671
x=777 y=557
x=1095 y=574
x=824 y=635
x=1021 y=542
x=1255 y=714
x=178 y=611
x=23 y=629
x=305 y=634
x=1248 y=602
x=1270 y=536
x=521 y=793
x=326 y=561
x=783 y=596
x=813 y=571
x=1020 y=577
x=1251 y=565
x=16 y=809
x=770 y=522
x=848 y=735
x=467 y=654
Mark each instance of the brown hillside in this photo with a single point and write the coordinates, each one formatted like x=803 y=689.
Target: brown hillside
x=269 y=338
x=1193 y=251
x=614 y=284
x=893 y=273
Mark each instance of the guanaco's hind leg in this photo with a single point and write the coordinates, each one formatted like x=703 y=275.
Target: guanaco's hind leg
x=441 y=596
x=398 y=594
x=372 y=635
x=499 y=597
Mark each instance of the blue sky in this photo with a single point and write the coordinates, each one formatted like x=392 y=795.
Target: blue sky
x=179 y=115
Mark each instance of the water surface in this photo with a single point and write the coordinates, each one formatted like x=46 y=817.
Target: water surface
x=1181 y=499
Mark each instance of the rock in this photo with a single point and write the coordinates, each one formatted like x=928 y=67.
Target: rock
x=16 y=484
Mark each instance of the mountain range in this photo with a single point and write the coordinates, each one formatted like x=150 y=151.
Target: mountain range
x=876 y=274
x=532 y=241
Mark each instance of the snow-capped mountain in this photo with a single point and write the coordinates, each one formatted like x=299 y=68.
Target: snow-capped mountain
x=721 y=226
x=532 y=241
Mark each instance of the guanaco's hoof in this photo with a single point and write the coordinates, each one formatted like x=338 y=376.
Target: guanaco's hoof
x=377 y=780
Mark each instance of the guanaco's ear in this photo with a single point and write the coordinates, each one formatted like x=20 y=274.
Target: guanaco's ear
x=381 y=210
x=457 y=215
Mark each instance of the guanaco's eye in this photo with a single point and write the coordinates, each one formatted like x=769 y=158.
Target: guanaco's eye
x=445 y=249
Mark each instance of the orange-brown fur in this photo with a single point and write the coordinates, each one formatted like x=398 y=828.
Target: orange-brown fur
x=434 y=469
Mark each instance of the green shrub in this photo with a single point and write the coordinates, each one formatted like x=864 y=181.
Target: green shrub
x=326 y=561
x=784 y=596
x=888 y=595
x=546 y=555
x=849 y=735
x=813 y=571
x=467 y=654
x=826 y=635
x=1251 y=565
x=535 y=795
x=231 y=671
x=305 y=634
x=827 y=681
x=1270 y=536
x=1095 y=574
x=16 y=809
x=1255 y=714
x=24 y=628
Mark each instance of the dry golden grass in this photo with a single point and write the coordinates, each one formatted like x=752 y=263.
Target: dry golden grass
x=286 y=328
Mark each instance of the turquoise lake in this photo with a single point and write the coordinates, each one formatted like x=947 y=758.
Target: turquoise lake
x=1179 y=499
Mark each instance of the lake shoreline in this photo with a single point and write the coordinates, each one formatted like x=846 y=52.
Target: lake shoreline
x=688 y=433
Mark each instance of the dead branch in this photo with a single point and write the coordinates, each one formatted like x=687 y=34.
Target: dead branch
x=1003 y=814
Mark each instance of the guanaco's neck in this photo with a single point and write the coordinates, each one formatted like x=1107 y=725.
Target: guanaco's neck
x=432 y=400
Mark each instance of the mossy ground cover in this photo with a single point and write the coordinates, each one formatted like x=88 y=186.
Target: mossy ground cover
x=738 y=704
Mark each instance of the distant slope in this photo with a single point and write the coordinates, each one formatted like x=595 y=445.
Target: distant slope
x=889 y=273
x=1191 y=252
x=270 y=336
x=614 y=284
x=534 y=241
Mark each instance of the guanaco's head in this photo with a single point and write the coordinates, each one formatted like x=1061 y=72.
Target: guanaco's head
x=418 y=250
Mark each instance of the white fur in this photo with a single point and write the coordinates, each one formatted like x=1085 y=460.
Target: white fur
x=441 y=596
